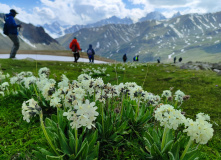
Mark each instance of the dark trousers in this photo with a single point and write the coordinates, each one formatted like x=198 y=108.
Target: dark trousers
x=76 y=56
x=91 y=59
x=15 y=40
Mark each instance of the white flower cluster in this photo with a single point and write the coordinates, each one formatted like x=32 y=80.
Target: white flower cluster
x=30 y=108
x=179 y=96
x=200 y=130
x=4 y=86
x=44 y=71
x=2 y=76
x=169 y=117
x=93 y=71
x=82 y=115
x=166 y=93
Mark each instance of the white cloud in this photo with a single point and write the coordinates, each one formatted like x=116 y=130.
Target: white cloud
x=89 y=11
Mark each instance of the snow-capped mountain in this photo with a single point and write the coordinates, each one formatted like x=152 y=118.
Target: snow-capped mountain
x=153 y=16
x=31 y=38
x=176 y=15
x=192 y=36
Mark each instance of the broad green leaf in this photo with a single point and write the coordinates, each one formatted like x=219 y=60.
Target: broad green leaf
x=171 y=156
x=192 y=155
x=71 y=141
x=63 y=142
x=167 y=147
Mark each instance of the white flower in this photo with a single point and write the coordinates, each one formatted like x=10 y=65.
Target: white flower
x=166 y=93
x=30 y=108
x=200 y=130
x=44 y=71
x=82 y=115
x=179 y=96
x=169 y=117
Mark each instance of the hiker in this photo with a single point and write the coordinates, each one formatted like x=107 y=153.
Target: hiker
x=90 y=53
x=174 y=59
x=158 y=60
x=75 y=47
x=180 y=59
x=11 y=27
x=136 y=58
x=125 y=57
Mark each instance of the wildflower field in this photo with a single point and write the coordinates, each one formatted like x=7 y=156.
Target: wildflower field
x=60 y=110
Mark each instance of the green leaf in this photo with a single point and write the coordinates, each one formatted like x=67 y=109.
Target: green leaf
x=55 y=157
x=84 y=145
x=71 y=141
x=171 y=156
x=167 y=147
x=147 y=144
x=156 y=138
x=157 y=150
x=192 y=155
x=45 y=152
x=93 y=140
x=149 y=137
x=63 y=142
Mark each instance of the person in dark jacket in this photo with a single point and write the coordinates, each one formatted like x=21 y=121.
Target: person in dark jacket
x=12 y=28
x=90 y=53
x=125 y=57
x=75 y=47
x=180 y=59
x=174 y=59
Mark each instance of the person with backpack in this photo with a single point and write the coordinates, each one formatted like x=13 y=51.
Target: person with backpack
x=75 y=47
x=11 y=30
x=180 y=59
x=125 y=57
x=136 y=58
x=158 y=60
x=90 y=53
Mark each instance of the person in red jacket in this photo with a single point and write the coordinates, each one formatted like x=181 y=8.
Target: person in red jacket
x=75 y=47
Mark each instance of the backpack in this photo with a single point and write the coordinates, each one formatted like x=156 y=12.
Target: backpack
x=89 y=52
x=74 y=48
x=5 y=29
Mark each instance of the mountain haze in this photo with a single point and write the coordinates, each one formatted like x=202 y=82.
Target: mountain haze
x=192 y=36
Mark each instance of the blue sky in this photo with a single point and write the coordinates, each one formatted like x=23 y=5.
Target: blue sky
x=70 y=12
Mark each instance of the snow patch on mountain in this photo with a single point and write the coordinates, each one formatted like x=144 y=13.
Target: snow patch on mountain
x=27 y=41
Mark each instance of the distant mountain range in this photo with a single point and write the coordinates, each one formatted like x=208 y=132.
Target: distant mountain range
x=192 y=36
x=31 y=38
x=57 y=30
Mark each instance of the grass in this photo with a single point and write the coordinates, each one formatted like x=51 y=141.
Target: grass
x=204 y=87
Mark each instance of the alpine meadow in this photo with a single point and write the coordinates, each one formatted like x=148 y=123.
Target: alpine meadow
x=61 y=110
x=110 y=80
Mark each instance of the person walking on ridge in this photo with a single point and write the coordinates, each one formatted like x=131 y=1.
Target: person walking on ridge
x=75 y=47
x=12 y=31
x=125 y=57
x=90 y=53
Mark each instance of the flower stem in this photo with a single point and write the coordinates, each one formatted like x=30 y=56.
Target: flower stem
x=45 y=133
x=186 y=149
x=102 y=115
x=164 y=137
x=76 y=140
x=122 y=106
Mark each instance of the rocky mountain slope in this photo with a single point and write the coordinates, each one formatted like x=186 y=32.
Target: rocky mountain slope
x=31 y=38
x=192 y=36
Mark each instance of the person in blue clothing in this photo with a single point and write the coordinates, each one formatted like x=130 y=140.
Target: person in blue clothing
x=90 y=53
x=136 y=58
x=12 y=28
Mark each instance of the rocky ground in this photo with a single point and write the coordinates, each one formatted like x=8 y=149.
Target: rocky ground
x=216 y=67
